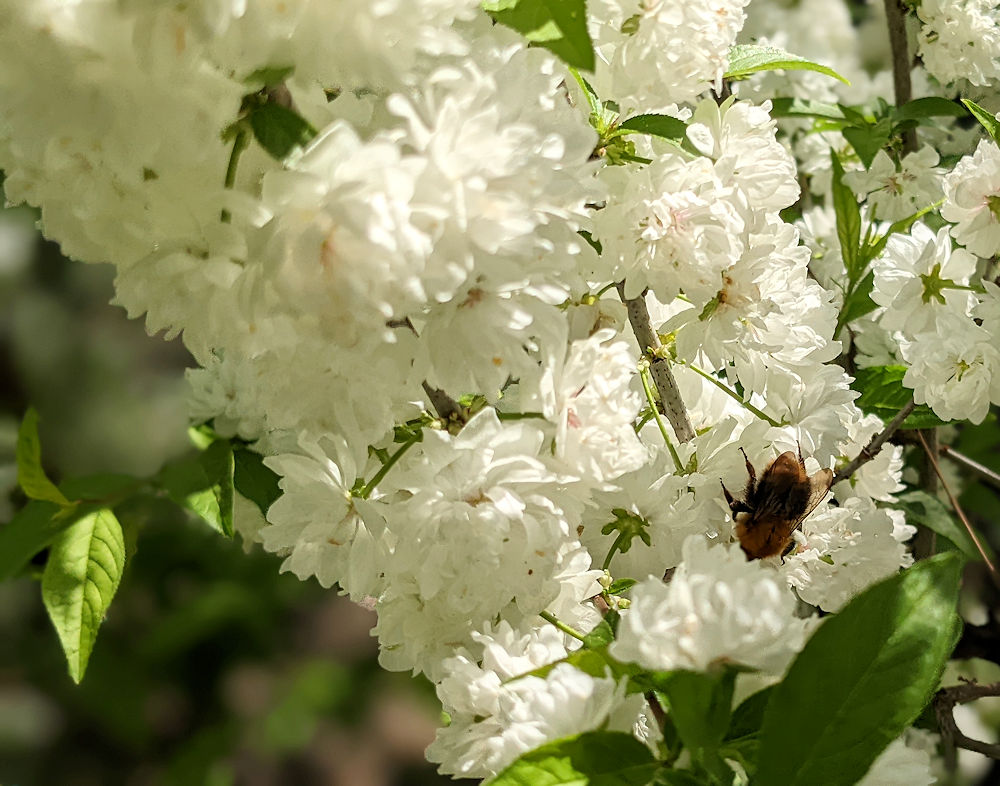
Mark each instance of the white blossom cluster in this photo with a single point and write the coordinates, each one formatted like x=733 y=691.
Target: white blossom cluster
x=440 y=233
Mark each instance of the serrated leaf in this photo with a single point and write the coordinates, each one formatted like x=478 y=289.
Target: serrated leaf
x=929 y=106
x=597 y=758
x=203 y=484
x=657 y=125
x=986 y=119
x=254 y=480
x=868 y=139
x=30 y=475
x=746 y=59
x=883 y=394
x=557 y=25
x=862 y=678
x=31 y=529
x=926 y=509
x=81 y=577
x=280 y=130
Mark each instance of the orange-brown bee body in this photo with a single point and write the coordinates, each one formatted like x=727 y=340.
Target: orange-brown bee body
x=774 y=507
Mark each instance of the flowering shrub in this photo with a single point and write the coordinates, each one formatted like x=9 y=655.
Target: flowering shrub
x=487 y=299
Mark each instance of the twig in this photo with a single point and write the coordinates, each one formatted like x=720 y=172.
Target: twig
x=869 y=451
x=895 y=16
x=961 y=513
x=985 y=473
x=659 y=367
x=944 y=704
x=446 y=407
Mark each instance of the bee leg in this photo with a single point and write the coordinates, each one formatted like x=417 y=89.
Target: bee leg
x=752 y=482
x=735 y=505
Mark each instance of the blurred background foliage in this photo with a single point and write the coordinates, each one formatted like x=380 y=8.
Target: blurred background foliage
x=211 y=668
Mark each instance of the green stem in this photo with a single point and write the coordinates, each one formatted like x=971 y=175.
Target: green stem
x=240 y=143
x=613 y=550
x=554 y=620
x=520 y=416
x=648 y=388
x=730 y=392
x=377 y=478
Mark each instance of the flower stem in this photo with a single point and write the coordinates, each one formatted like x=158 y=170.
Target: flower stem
x=730 y=392
x=554 y=620
x=377 y=478
x=648 y=388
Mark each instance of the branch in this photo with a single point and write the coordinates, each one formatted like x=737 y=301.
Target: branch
x=961 y=513
x=985 y=473
x=944 y=704
x=870 y=451
x=895 y=16
x=659 y=367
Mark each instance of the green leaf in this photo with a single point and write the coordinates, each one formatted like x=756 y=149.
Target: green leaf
x=597 y=758
x=746 y=59
x=600 y=636
x=848 y=214
x=858 y=301
x=749 y=716
x=986 y=119
x=557 y=25
x=862 y=678
x=800 y=107
x=929 y=106
x=877 y=245
x=254 y=480
x=31 y=529
x=868 y=139
x=620 y=586
x=678 y=778
x=883 y=394
x=204 y=485
x=657 y=125
x=268 y=76
x=99 y=488
x=280 y=130
x=700 y=704
x=81 y=577
x=30 y=475
x=926 y=509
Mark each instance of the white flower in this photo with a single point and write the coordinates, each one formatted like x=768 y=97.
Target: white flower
x=954 y=368
x=895 y=194
x=900 y=765
x=589 y=399
x=655 y=52
x=718 y=608
x=960 y=39
x=972 y=200
x=321 y=528
x=496 y=716
x=672 y=227
x=739 y=137
x=842 y=550
x=914 y=278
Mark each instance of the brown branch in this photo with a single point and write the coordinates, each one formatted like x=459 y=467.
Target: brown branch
x=985 y=474
x=944 y=705
x=659 y=367
x=870 y=451
x=961 y=513
x=895 y=16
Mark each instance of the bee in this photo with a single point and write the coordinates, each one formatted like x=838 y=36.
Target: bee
x=774 y=507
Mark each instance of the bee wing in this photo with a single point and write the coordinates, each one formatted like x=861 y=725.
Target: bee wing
x=819 y=484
